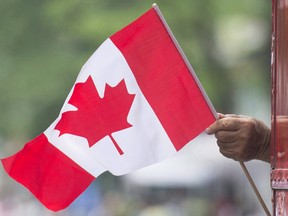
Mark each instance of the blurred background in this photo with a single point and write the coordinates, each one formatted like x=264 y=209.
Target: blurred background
x=43 y=45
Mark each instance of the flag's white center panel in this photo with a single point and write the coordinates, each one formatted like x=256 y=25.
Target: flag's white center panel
x=144 y=143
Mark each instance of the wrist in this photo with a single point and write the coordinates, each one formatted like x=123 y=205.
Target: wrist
x=264 y=153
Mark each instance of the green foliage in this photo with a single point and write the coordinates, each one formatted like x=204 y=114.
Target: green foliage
x=44 y=43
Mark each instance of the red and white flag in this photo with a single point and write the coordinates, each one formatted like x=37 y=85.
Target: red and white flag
x=135 y=102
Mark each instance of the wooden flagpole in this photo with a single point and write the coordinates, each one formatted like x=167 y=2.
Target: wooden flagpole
x=254 y=188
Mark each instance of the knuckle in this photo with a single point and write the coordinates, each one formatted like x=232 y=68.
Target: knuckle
x=219 y=135
x=243 y=137
x=220 y=144
x=225 y=123
x=248 y=129
x=250 y=123
x=227 y=154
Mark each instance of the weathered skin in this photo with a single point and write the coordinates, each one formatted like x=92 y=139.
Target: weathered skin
x=242 y=138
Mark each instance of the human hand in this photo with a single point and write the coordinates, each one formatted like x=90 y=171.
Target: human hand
x=241 y=138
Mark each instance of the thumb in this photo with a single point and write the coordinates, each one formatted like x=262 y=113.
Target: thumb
x=213 y=128
x=221 y=115
x=223 y=122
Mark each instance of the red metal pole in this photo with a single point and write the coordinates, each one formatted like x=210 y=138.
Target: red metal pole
x=279 y=70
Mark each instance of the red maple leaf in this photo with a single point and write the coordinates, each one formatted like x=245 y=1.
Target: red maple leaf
x=97 y=117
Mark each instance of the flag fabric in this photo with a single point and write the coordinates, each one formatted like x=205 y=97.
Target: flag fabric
x=136 y=101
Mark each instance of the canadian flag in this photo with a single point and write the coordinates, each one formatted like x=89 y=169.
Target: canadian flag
x=135 y=102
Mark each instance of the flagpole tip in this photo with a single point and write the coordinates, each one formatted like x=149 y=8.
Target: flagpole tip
x=154 y=5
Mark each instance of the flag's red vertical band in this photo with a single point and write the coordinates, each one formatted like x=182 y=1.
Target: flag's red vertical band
x=164 y=78
x=49 y=174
